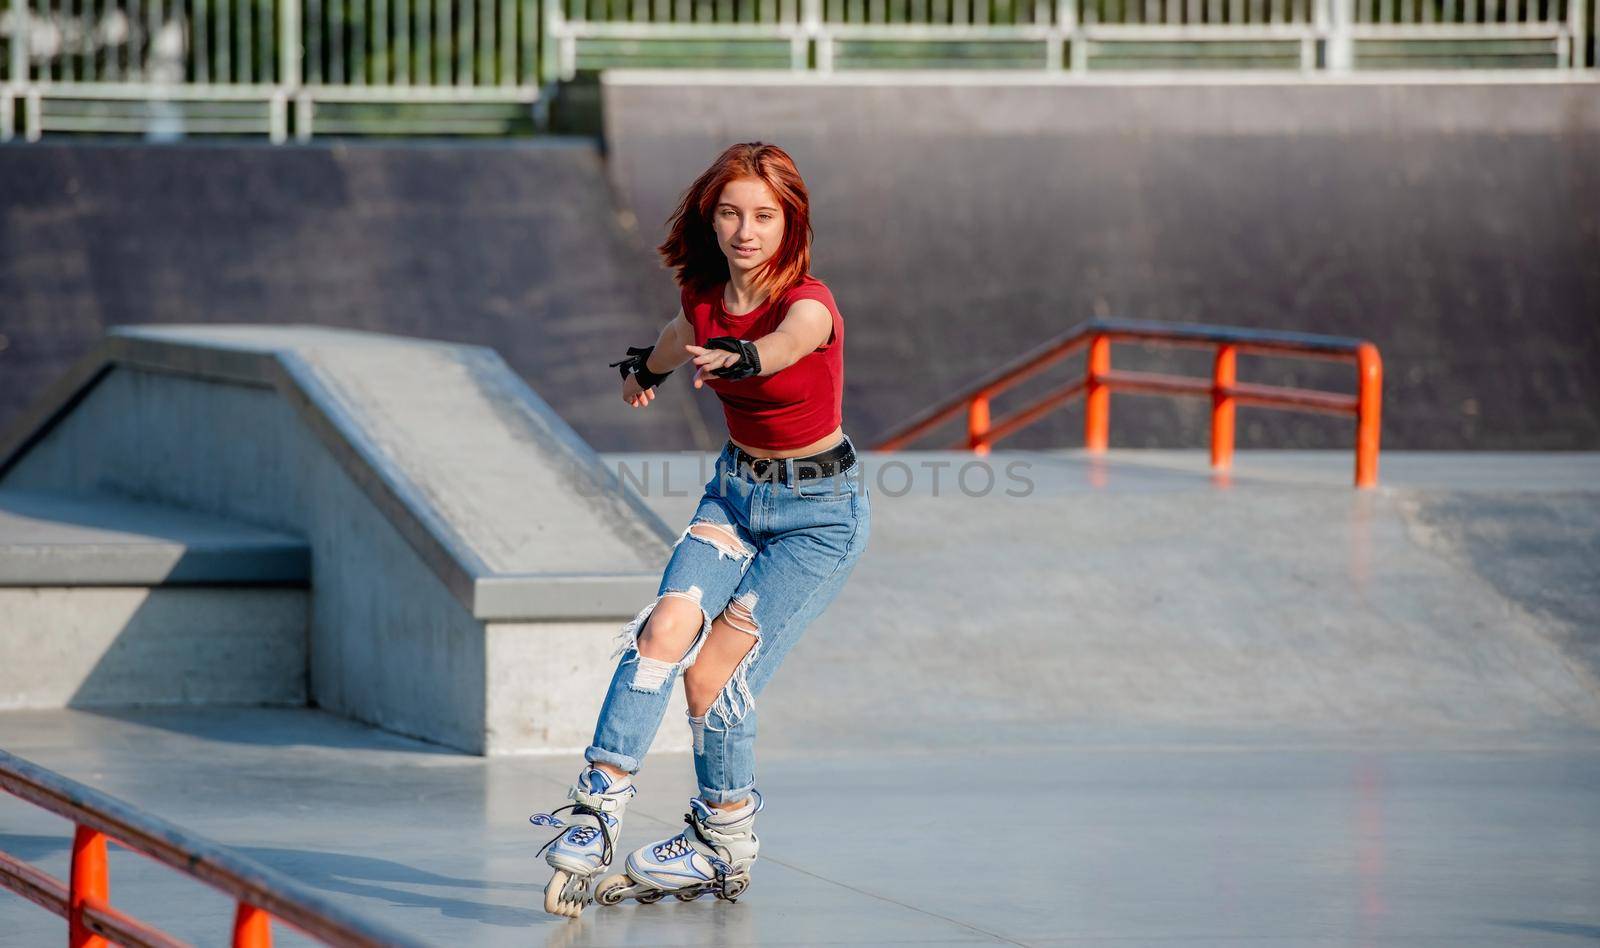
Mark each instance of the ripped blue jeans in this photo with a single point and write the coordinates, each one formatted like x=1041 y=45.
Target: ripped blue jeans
x=797 y=543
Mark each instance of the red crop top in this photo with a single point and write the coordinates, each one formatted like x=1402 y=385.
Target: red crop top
x=793 y=406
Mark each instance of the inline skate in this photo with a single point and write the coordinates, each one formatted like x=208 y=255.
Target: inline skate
x=713 y=855
x=587 y=843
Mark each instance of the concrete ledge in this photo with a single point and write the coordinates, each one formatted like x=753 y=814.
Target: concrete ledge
x=54 y=539
x=438 y=497
x=464 y=421
x=114 y=646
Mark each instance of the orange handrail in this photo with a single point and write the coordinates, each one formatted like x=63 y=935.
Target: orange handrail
x=1224 y=389
x=262 y=893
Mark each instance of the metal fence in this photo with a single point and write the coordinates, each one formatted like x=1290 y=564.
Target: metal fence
x=264 y=66
x=294 y=68
x=1075 y=36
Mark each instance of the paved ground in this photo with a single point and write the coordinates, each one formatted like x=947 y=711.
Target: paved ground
x=1104 y=839
x=1130 y=706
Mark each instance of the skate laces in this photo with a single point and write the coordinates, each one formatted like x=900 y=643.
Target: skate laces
x=583 y=835
x=672 y=848
x=586 y=832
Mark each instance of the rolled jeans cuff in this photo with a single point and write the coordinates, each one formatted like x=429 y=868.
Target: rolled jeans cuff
x=599 y=755
x=711 y=795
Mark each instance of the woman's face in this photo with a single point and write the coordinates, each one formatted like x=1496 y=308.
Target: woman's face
x=748 y=222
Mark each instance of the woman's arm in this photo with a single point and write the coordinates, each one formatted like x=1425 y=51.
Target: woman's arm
x=669 y=352
x=805 y=326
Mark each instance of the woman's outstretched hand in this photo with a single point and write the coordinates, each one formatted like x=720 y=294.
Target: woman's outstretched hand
x=634 y=395
x=707 y=361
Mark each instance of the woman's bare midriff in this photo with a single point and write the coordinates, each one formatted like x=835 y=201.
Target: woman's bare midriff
x=821 y=444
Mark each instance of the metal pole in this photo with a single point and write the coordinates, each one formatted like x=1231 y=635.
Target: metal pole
x=1341 y=46
x=1369 y=414
x=32 y=115
x=289 y=67
x=302 y=117
x=978 y=424
x=1224 y=372
x=1580 y=53
x=91 y=881
x=20 y=15
x=252 y=928
x=1097 y=397
x=278 y=116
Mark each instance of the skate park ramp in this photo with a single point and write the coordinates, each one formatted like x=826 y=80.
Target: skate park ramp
x=461 y=551
x=1133 y=704
x=520 y=246
x=964 y=220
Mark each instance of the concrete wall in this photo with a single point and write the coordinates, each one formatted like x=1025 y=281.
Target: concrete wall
x=420 y=540
x=513 y=245
x=960 y=221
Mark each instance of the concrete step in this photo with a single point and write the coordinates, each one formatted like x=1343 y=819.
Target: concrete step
x=107 y=601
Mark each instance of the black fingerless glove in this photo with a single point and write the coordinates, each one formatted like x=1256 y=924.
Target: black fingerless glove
x=749 y=359
x=635 y=363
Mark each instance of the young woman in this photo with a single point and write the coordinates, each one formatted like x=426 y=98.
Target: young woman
x=778 y=530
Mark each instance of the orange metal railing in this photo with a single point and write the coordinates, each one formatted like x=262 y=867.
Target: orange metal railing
x=1223 y=388
x=262 y=893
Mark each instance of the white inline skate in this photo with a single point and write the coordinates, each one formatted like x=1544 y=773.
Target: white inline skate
x=713 y=854
x=588 y=840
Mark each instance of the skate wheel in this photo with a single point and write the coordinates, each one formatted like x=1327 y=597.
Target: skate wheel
x=687 y=896
x=609 y=892
x=558 y=900
x=649 y=898
x=733 y=888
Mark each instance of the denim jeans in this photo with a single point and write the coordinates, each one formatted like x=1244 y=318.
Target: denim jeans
x=798 y=543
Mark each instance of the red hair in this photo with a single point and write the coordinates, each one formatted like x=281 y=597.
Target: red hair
x=691 y=244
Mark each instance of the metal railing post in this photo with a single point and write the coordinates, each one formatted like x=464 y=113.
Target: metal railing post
x=1097 y=397
x=549 y=26
x=1578 y=43
x=32 y=114
x=1224 y=372
x=978 y=424
x=278 y=116
x=811 y=29
x=1340 y=44
x=303 y=111
x=1369 y=413
x=91 y=881
x=18 y=78
x=290 y=47
x=21 y=13
x=252 y=928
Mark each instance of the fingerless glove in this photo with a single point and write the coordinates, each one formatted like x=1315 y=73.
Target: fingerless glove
x=635 y=363
x=749 y=359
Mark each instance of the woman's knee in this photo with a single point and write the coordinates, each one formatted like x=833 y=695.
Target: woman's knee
x=671 y=629
x=720 y=658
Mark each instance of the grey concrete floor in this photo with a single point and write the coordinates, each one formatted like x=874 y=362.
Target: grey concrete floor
x=1106 y=838
x=1132 y=705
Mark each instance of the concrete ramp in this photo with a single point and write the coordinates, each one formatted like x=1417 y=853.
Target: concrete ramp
x=1144 y=707
x=1463 y=596
x=470 y=557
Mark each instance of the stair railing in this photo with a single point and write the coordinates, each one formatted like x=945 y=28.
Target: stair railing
x=1224 y=389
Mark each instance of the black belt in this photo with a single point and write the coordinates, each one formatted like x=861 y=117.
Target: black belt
x=838 y=458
